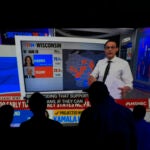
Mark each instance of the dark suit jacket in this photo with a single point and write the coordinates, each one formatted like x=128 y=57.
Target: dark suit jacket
x=110 y=124
x=27 y=76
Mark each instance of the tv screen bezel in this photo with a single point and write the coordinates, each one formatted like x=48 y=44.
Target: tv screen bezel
x=19 y=39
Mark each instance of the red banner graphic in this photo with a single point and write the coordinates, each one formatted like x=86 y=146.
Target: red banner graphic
x=19 y=104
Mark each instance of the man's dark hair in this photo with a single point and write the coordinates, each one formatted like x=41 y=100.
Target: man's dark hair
x=97 y=92
x=37 y=102
x=139 y=112
x=111 y=40
x=6 y=115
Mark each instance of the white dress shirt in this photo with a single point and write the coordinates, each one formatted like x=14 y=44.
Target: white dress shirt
x=119 y=71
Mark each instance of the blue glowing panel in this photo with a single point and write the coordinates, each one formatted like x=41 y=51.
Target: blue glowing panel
x=8 y=37
x=142 y=72
x=43 y=60
x=143 y=60
x=9 y=79
x=20 y=116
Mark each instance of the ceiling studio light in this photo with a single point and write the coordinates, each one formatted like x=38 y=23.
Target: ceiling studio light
x=93 y=32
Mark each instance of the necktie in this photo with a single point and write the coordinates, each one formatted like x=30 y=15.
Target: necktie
x=106 y=70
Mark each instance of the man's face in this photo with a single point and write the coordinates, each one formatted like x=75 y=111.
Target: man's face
x=29 y=71
x=111 y=50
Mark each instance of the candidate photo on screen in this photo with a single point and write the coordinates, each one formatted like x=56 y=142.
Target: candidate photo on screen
x=28 y=61
x=29 y=72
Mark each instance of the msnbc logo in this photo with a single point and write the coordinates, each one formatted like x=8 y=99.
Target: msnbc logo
x=30 y=45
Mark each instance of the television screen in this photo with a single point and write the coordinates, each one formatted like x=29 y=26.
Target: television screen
x=56 y=64
x=9 y=77
x=142 y=60
x=8 y=36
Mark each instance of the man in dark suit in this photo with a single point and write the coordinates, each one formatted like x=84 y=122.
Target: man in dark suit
x=38 y=104
x=29 y=76
x=108 y=124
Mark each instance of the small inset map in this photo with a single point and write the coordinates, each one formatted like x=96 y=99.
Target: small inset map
x=78 y=64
